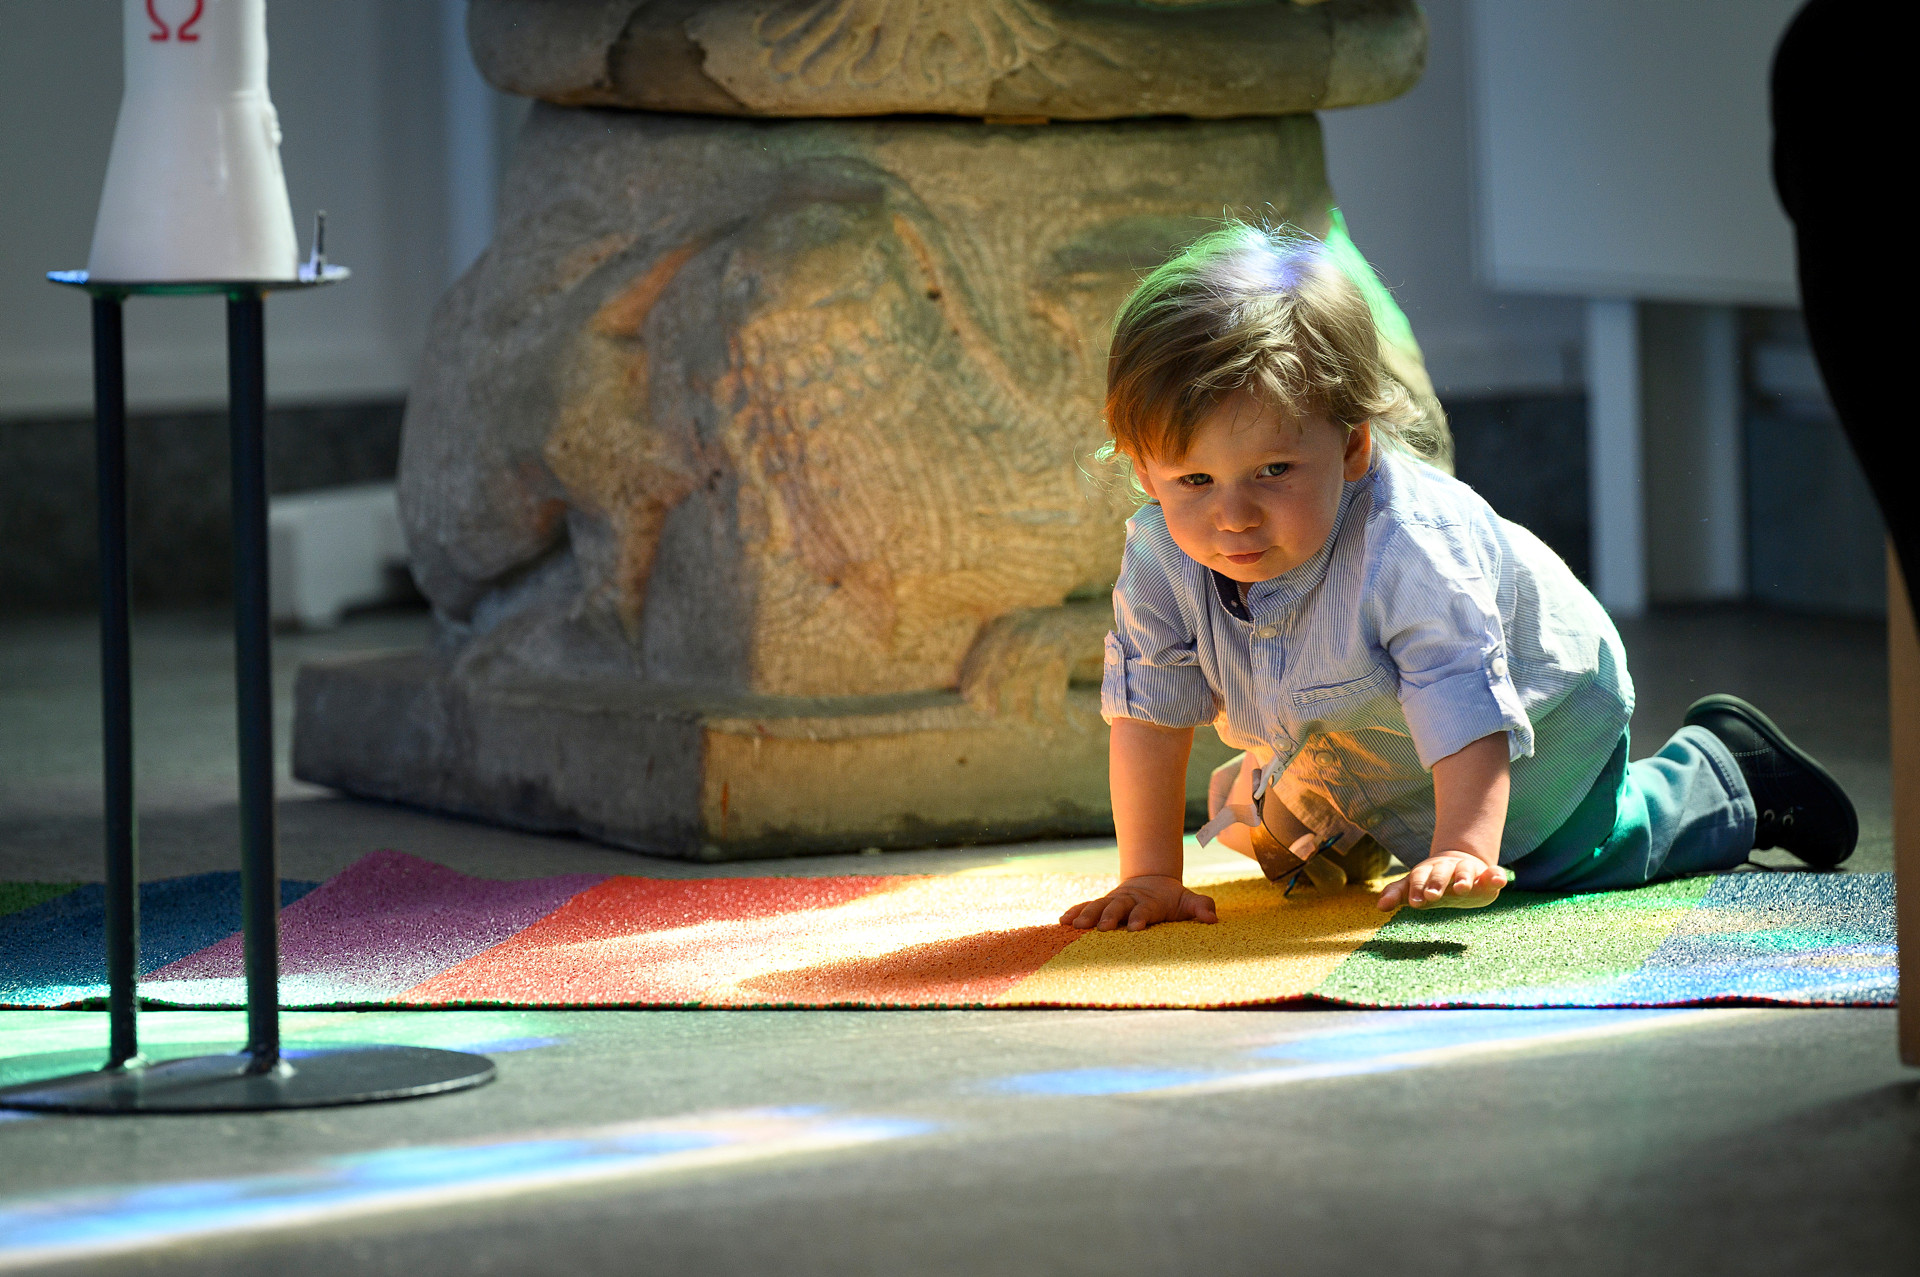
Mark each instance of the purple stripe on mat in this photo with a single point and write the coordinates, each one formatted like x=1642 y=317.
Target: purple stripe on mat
x=386 y=923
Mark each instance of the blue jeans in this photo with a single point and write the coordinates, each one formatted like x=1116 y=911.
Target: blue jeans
x=1686 y=810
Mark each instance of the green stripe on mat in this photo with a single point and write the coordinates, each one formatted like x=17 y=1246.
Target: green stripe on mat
x=15 y=896
x=1441 y=955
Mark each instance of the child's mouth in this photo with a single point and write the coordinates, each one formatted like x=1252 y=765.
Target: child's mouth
x=1245 y=560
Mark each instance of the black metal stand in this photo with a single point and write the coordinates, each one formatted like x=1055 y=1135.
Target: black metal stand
x=261 y=1076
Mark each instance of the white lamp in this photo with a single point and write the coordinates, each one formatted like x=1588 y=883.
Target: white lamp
x=194 y=188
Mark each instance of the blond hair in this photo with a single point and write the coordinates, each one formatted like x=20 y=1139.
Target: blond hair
x=1268 y=311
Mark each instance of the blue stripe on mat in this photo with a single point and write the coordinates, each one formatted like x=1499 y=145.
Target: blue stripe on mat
x=1782 y=936
x=54 y=953
x=1787 y=937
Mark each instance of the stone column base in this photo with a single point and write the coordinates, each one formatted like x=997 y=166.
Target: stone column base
x=710 y=776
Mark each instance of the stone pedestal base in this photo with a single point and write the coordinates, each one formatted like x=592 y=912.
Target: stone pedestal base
x=711 y=776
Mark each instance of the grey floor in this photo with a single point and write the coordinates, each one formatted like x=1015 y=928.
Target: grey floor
x=1722 y=1140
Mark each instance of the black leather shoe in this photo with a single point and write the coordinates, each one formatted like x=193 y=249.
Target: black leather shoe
x=1801 y=808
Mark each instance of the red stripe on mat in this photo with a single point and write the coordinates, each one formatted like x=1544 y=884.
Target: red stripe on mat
x=633 y=941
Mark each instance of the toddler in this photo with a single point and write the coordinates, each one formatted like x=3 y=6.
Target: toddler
x=1407 y=672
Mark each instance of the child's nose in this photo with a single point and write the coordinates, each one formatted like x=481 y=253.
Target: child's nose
x=1236 y=513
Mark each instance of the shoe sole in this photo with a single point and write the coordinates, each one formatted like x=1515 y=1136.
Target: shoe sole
x=1778 y=740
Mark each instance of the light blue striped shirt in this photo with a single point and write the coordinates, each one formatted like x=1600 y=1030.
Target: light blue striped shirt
x=1425 y=623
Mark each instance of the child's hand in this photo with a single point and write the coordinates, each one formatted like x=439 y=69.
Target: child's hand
x=1139 y=903
x=1445 y=880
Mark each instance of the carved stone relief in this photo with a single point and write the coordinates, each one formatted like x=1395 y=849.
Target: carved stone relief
x=1059 y=59
x=842 y=382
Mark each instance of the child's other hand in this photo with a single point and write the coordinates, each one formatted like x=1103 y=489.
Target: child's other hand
x=1445 y=880
x=1140 y=902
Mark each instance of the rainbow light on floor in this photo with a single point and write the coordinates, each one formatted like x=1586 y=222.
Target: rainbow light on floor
x=99 y=1222
x=1380 y=1044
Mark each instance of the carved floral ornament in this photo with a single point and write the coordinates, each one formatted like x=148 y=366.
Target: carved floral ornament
x=1043 y=59
x=929 y=43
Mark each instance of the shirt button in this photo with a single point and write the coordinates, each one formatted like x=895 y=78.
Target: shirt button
x=1266 y=631
x=1325 y=757
x=1499 y=667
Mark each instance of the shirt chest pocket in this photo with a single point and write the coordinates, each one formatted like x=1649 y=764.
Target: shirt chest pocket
x=1337 y=700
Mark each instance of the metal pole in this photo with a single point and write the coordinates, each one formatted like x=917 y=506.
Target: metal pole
x=253 y=672
x=116 y=683
x=259 y=1080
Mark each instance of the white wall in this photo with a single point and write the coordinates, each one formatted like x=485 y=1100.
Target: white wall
x=379 y=131
x=1403 y=173
x=360 y=88
x=1623 y=149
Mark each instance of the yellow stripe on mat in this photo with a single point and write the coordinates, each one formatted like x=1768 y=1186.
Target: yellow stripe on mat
x=1264 y=948
x=955 y=939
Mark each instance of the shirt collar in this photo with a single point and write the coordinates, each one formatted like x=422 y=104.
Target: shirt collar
x=1227 y=590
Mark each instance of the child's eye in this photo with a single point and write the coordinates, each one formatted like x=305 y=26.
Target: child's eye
x=1196 y=480
x=1275 y=469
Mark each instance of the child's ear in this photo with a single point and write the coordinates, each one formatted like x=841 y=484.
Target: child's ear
x=1140 y=477
x=1359 y=453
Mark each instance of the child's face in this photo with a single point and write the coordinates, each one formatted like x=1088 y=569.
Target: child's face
x=1256 y=494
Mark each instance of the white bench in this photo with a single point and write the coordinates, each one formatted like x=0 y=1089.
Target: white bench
x=331 y=550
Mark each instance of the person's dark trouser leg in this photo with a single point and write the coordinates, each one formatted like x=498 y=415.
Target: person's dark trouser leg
x=1698 y=807
x=1685 y=810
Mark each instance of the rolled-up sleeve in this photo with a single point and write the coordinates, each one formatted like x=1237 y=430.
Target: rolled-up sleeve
x=1152 y=668
x=1434 y=599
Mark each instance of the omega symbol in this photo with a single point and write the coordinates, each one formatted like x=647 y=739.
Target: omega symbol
x=185 y=32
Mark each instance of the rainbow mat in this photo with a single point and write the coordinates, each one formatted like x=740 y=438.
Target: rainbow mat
x=396 y=931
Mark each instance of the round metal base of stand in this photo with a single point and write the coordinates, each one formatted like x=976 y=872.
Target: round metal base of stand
x=307 y=277
x=318 y=1078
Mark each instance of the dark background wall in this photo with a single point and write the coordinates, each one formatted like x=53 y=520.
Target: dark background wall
x=1525 y=453
x=1815 y=536
x=177 y=496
